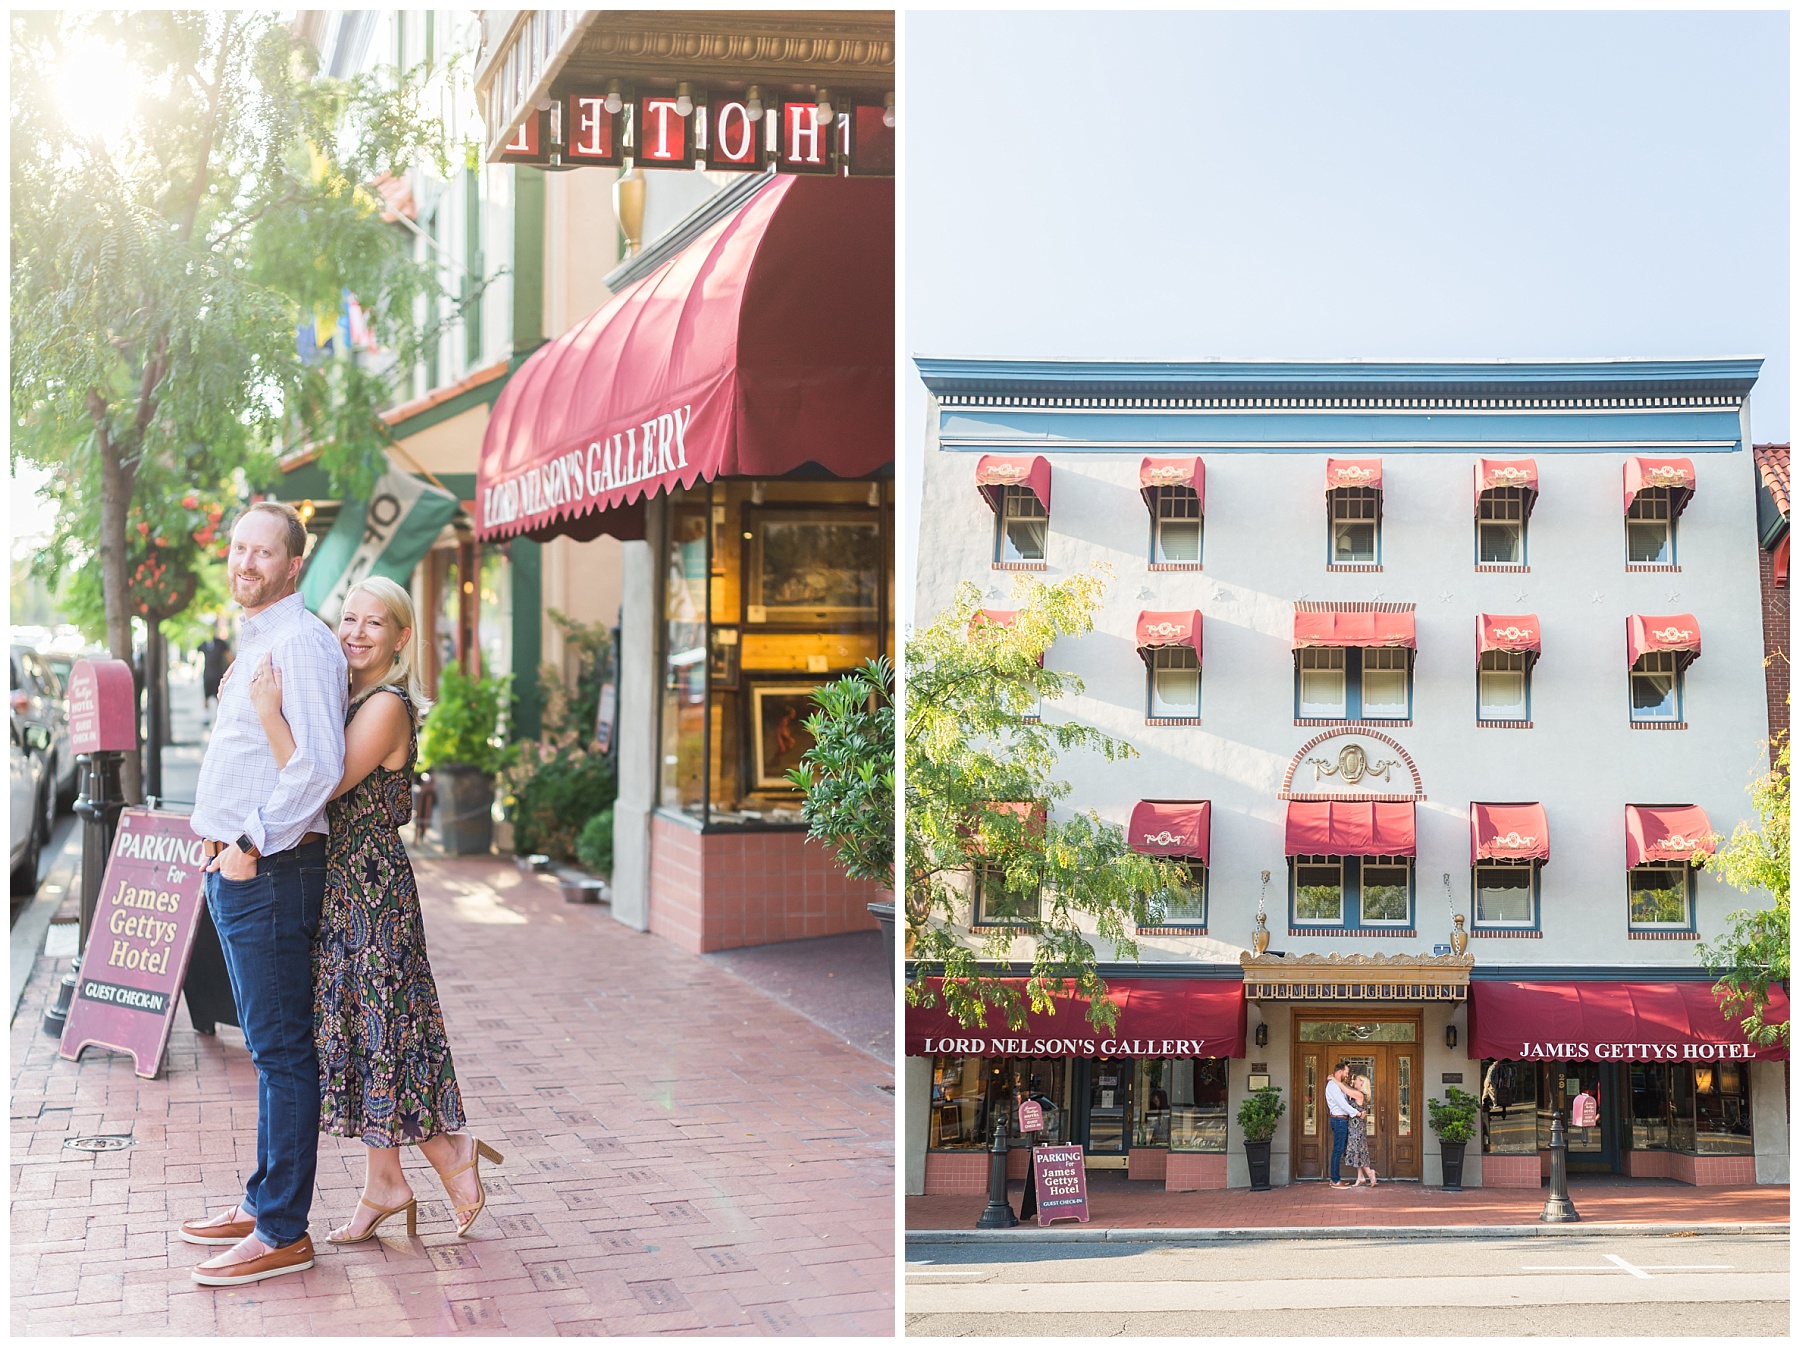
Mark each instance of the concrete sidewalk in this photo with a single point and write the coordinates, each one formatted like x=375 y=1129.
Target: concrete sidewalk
x=1121 y=1210
x=683 y=1154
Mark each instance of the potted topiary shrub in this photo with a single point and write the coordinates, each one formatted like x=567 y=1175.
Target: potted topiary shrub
x=847 y=781
x=460 y=746
x=1453 y=1119
x=1258 y=1116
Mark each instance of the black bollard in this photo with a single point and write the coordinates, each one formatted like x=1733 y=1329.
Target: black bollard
x=102 y=797
x=999 y=1213
x=1559 y=1208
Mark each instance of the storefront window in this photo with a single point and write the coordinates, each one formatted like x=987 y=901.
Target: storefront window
x=1508 y=1108
x=966 y=1091
x=1180 y=1103
x=1403 y=1063
x=1681 y=1110
x=1374 y=1031
x=494 y=615
x=773 y=588
x=1649 y=1106
x=1721 y=1107
x=1310 y=1115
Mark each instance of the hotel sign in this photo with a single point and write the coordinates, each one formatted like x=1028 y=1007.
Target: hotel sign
x=1634 y=1052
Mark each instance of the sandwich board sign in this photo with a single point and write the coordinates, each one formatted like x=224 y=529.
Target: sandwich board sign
x=138 y=946
x=1060 y=1178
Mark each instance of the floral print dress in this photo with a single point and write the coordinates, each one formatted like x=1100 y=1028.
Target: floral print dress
x=1356 y=1153
x=385 y=1073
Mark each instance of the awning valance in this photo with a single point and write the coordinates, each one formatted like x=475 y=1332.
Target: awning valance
x=1611 y=1022
x=765 y=345
x=1679 y=632
x=1341 y=473
x=1509 y=631
x=1508 y=832
x=1317 y=624
x=1351 y=828
x=1158 y=1017
x=1189 y=472
x=1156 y=630
x=1666 y=832
x=1172 y=828
x=1675 y=473
x=1493 y=473
x=995 y=472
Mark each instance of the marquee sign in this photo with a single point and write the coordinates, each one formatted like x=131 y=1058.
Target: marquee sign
x=604 y=126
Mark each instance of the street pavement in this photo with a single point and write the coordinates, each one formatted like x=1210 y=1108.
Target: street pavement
x=684 y=1153
x=1586 y=1285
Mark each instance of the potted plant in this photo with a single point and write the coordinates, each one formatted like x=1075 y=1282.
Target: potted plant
x=460 y=746
x=1453 y=1119
x=1258 y=1116
x=847 y=780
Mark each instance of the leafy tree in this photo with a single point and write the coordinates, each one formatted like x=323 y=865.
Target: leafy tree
x=557 y=784
x=847 y=782
x=1753 y=954
x=974 y=743
x=161 y=265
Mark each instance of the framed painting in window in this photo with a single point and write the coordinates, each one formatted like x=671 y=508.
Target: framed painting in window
x=723 y=658
x=813 y=568
x=778 y=713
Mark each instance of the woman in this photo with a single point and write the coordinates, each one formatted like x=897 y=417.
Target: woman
x=1356 y=1153
x=384 y=1061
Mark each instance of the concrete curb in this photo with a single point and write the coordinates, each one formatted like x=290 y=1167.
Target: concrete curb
x=1208 y=1235
x=33 y=925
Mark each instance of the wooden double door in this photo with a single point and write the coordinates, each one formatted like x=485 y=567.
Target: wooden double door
x=1385 y=1048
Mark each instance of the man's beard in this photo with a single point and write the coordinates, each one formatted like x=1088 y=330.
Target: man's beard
x=260 y=591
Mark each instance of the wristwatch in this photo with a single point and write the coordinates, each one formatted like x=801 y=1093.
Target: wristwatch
x=245 y=845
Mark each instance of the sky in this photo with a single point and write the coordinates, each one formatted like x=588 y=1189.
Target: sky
x=1182 y=186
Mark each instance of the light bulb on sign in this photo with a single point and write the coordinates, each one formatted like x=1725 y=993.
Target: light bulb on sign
x=614 y=99
x=889 y=117
x=753 y=103
x=684 y=100
x=824 y=105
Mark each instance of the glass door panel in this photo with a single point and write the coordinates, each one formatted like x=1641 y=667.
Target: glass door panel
x=1109 y=1106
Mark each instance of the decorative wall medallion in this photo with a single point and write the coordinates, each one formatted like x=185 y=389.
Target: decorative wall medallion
x=1352 y=765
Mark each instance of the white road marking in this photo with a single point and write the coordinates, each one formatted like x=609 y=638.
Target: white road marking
x=1616 y=1263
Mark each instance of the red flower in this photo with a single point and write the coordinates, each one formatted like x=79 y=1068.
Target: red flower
x=143 y=530
x=190 y=501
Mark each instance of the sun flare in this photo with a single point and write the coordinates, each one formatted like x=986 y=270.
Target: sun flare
x=96 y=90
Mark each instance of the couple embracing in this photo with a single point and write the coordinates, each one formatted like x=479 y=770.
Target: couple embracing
x=1347 y=1101
x=302 y=792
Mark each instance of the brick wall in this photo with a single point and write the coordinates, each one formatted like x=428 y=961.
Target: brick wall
x=1148 y=1164
x=1716 y=1171
x=1510 y=1171
x=1189 y=1171
x=711 y=891
x=956 y=1172
x=1651 y=1165
x=1775 y=643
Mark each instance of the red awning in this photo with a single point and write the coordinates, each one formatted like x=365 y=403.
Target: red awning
x=1320 y=624
x=1666 y=832
x=1611 y=1022
x=997 y=617
x=996 y=471
x=1172 y=828
x=765 y=345
x=1493 y=473
x=1508 y=832
x=1167 y=629
x=1158 y=1017
x=1675 y=473
x=1351 y=828
x=1348 y=472
x=1514 y=632
x=1188 y=472
x=1678 y=631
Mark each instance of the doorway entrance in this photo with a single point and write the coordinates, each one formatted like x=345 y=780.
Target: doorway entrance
x=1382 y=1045
x=1592 y=1150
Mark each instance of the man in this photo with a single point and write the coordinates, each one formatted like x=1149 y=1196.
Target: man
x=263 y=829
x=1342 y=1109
x=215 y=654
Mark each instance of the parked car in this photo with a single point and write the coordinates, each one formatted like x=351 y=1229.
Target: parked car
x=31 y=801
x=39 y=697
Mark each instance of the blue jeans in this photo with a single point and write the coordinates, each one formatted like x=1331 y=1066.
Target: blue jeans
x=266 y=926
x=1340 y=1138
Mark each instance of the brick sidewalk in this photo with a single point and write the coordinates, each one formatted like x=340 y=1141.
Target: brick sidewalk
x=683 y=1154
x=1115 y=1201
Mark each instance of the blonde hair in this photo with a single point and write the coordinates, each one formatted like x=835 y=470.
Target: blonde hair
x=1364 y=1084
x=405 y=669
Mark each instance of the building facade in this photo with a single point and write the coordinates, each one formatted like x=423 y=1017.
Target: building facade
x=1412 y=658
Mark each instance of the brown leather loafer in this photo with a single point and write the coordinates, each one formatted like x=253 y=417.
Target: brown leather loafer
x=226 y=1229
x=295 y=1257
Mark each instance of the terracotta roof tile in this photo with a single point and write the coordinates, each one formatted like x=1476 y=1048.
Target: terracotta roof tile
x=1772 y=464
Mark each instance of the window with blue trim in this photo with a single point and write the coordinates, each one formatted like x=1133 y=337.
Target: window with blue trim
x=1175 y=529
x=1353 y=683
x=1662 y=896
x=1022 y=528
x=1355 y=525
x=1351 y=892
x=1503 y=686
x=1650 y=528
x=1506 y=893
x=998 y=903
x=1656 y=686
x=1500 y=521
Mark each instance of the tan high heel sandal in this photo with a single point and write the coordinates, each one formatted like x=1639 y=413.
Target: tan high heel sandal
x=410 y=1207
x=482 y=1149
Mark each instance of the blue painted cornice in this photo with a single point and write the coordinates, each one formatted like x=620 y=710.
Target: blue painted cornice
x=1732 y=376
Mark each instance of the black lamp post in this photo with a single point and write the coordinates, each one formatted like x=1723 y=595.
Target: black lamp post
x=999 y=1212
x=101 y=800
x=1559 y=1209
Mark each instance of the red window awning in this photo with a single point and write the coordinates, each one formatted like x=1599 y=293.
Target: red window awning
x=1611 y=1022
x=1172 y=828
x=1155 y=472
x=997 y=617
x=1666 y=832
x=1322 y=624
x=1509 y=631
x=1158 y=1017
x=1508 y=832
x=1341 y=473
x=1351 y=828
x=1493 y=473
x=1675 y=473
x=995 y=472
x=765 y=345
x=1156 y=630
x=1679 y=632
